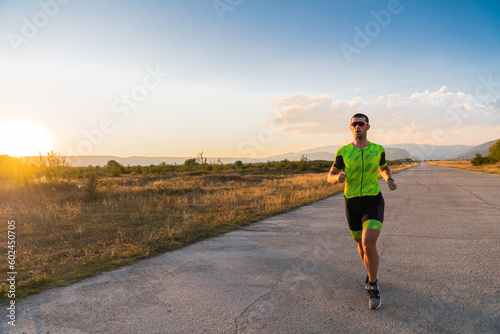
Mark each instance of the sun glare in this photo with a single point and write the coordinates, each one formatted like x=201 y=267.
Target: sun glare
x=20 y=138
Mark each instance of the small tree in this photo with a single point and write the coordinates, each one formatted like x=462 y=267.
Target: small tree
x=495 y=152
x=115 y=168
x=91 y=187
x=52 y=166
x=303 y=164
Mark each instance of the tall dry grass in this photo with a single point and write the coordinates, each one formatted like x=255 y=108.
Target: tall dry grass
x=62 y=238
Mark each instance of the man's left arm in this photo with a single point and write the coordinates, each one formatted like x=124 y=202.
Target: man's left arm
x=387 y=176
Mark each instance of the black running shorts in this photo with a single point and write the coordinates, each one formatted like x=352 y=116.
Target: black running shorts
x=364 y=212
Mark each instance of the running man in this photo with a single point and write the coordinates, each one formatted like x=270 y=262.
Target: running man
x=358 y=164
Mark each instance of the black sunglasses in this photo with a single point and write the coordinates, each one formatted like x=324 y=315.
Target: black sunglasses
x=360 y=123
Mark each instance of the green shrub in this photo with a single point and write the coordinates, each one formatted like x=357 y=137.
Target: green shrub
x=114 y=168
x=303 y=164
x=480 y=160
x=91 y=187
x=238 y=164
x=495 y=152
x=189 y=164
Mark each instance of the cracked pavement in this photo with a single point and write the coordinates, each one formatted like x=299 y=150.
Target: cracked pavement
x=300 y=272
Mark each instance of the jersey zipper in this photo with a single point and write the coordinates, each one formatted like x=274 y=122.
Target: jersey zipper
x=362 y=172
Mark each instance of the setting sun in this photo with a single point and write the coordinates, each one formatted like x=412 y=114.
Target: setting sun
x=23 y=138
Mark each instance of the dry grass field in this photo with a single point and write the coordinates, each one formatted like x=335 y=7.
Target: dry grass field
x=62 y=238
x=466 y=164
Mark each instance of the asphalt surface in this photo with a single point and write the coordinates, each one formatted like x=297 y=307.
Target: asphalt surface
x=300 y=272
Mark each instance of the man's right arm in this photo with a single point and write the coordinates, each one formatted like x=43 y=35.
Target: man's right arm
x=336 y=175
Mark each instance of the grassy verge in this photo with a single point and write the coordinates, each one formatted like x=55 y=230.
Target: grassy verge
x=61 y=238
x=466 y=164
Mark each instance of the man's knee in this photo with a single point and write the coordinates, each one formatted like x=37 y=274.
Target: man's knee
x=369 y=243
x=369 y=247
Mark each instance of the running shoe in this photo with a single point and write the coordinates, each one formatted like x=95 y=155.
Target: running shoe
x=367 y=283
x=375 y=300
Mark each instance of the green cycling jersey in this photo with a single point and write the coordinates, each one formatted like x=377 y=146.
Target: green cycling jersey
x=361 y=167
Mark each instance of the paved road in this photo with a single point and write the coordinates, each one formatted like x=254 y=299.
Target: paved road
x=299 y=272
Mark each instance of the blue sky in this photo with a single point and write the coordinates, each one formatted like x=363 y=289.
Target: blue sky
x=244 y=78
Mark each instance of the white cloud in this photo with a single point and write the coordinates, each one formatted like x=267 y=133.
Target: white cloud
x=436 y=117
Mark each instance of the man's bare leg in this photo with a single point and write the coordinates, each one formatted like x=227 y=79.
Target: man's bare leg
x=360 y=248
x=370 y=254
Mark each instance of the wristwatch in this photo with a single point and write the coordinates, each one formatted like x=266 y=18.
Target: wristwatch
x=390 y=179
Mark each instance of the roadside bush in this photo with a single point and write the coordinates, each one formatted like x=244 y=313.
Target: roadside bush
x=480 y=160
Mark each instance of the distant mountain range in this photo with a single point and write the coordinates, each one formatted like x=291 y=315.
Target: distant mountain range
x=483 y=149
x=393 y=152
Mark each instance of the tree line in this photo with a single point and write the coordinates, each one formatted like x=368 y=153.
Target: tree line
x=53 y=167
